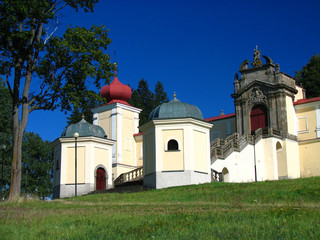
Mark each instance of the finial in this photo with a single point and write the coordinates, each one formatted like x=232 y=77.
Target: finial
x=115 y=68
x=174 y=94
x=221 y=112
x=256 y=57
x=82 y=115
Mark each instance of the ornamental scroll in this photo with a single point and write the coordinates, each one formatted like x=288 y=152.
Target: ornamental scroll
x=257 y=96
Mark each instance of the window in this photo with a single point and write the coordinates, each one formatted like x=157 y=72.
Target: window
x=173 y=145
x=303 y=124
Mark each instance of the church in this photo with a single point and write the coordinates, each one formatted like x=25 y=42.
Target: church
x=273 y=134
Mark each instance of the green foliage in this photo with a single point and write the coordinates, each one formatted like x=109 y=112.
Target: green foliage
x=91 y=101
x=63 y=66
x=278 y=210
x=5 y=114
x=36 y=166
x=146 y=100
x=309 y=77
x=5 y=136
x=36 y=162
x=67 y=64
x=160 y=95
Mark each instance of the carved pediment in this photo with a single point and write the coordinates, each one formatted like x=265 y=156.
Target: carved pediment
x=257 y=95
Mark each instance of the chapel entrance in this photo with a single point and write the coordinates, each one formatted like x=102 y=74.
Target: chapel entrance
x=100 y=179
x=258 y=117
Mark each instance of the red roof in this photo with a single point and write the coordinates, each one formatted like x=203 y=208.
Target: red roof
x=116 y=91
x=220 y=117
x=119 y=101
x=302 y=101
x=137 y=134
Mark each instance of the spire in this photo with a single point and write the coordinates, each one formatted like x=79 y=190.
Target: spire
x=175 y=97
x=115 y=69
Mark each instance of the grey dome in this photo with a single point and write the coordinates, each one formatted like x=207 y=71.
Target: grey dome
x=84 y=129
x=175 y=109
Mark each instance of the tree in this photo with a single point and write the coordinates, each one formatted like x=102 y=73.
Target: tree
x=146 y=100
x=91 y=101
x=61 y=65
x=36 y=155
x=36 y=166
x=142 y=98
x=160 y=95
x=5 y=137
x=309 y=77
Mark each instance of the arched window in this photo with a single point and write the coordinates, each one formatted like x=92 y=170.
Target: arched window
x=173 y=145
x=258 y=117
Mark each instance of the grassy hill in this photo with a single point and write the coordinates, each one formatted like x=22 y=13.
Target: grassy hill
x=286 y=209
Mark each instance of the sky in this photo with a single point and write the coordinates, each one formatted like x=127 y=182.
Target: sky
x=194 y=47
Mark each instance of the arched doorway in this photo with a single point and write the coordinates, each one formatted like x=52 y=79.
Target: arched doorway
x=100 y=179
x=225 y=175
x=258 y=117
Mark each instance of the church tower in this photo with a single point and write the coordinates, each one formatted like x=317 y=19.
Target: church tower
x=120 y=121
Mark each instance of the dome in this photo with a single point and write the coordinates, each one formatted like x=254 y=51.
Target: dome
x=84 y=129
x=175 y=109
x=116 y=91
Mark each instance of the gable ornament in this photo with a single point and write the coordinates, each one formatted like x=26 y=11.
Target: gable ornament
x=257 y=95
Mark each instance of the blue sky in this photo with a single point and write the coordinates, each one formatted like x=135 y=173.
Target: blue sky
x=195 y=47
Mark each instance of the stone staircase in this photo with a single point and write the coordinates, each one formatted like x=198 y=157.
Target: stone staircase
x=222 y=148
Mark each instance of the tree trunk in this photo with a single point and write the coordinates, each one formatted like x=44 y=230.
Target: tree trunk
x=18 y=129
x=15 y=185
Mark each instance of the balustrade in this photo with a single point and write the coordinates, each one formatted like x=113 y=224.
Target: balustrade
x=133 y=175
x=221 y=148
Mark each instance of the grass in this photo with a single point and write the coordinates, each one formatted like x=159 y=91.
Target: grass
x=286 y=209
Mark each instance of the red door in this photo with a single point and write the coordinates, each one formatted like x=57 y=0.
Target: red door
x=101 y=179
x=258 y=117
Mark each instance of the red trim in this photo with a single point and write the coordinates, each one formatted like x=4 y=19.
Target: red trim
x=302 y=101
x=220 y=117
x=137 y=134
x=119 y=101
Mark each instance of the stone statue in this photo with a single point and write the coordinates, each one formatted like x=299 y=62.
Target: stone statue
x=244 y=65
x=236 y=76
x=256 y=57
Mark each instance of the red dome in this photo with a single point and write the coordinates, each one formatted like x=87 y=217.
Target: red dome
x=116 y=91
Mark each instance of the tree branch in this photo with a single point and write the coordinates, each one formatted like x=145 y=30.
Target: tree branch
x=8 y=83
x=48 y=37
